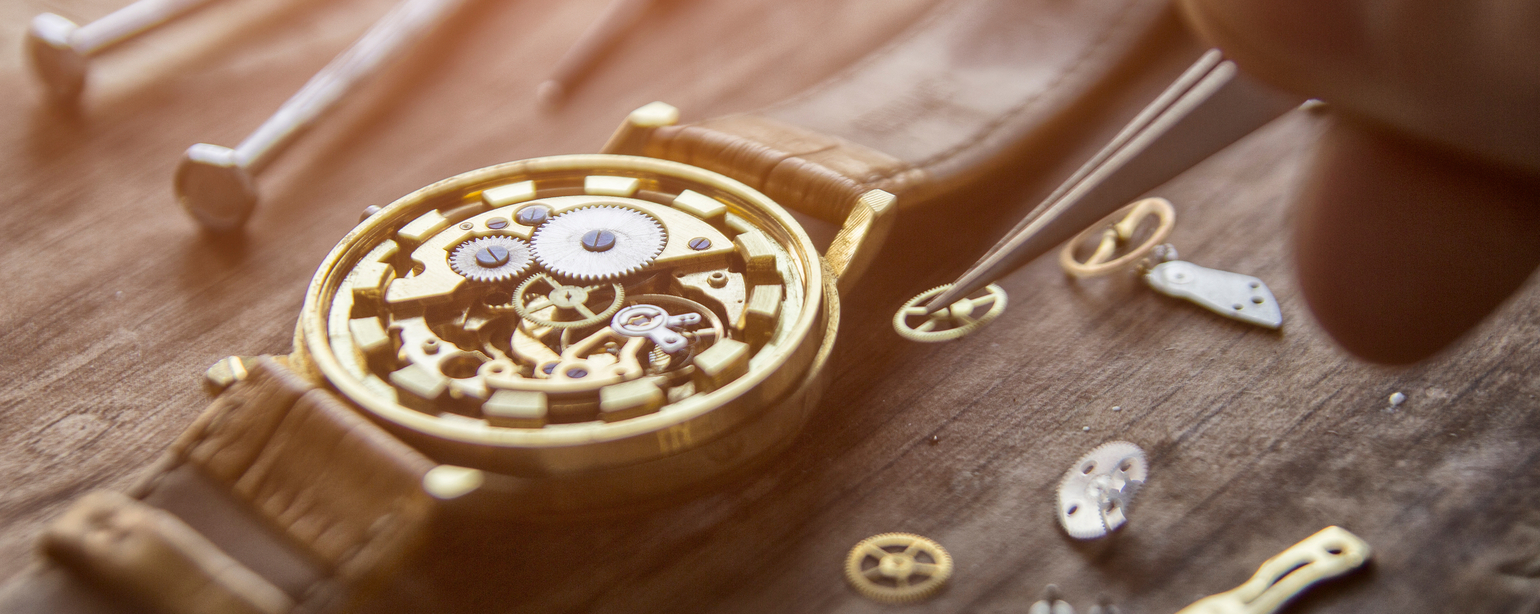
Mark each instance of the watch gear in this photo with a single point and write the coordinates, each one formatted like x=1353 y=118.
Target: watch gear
x=529 y=302
x=490 y=259
x=600 y=242
x=1097 y=491
x=956 y=321
x=898 y=567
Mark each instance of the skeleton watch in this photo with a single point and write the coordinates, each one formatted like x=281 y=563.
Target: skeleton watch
x=578 y=333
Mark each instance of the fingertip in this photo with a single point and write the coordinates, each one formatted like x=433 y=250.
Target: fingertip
x=1402 y=248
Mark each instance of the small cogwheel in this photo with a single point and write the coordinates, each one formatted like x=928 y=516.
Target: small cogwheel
x=898 y=567
x=490 y=259
x=598 y=243
x=953 y=322
x=1096 y=493
x=541 y=298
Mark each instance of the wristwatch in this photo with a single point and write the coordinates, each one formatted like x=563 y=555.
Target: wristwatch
x=578 y=334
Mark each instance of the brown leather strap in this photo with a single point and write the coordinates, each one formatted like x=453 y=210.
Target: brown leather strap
x=943 y=105
x=279 y=498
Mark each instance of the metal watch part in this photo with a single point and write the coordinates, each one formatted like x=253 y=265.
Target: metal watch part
x=542 y=300
x=664 y=325
x=601 y=242
x=1331 y=552
x=1097 y=491
x=1232 y=295
x=490 y=259
x=959 y=320
x=898 y=567
x=652 y=322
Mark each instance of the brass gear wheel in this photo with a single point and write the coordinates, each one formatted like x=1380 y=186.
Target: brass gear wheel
x=490 y=259
x=885 y=567
x=565 y=298
x=956 y=321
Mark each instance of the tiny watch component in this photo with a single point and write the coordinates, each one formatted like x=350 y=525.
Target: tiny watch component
x=1096 y=492
x=1051 y=603
x=960 y=319
x=490 y=259
x=1331 y=552
x=652 y=322
x=898 y=567
x=1233 y=295
x=601 y=242
x=543 y=301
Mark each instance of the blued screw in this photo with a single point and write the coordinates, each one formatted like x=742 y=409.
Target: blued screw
x=497 y=223
x=549 y=368
x=700 y=243
x=577 y=372
x=533 y=216
x=598 y=240
x=492 y=256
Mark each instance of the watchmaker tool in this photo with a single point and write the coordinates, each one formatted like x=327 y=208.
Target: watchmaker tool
x=1329 y=553
x=912 y=322
x=59 y=49
x=1209 y=107
x=1096 y=492
x=898 y=567
x=1232 y=295
x=598 y=38
x=216 y=184
x=1051 y=603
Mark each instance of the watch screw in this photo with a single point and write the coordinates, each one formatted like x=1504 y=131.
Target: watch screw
x=369 y=212
x=700 y=243
x=533 y=216
x=492 y=256
x=497 y=223
x=577 y=372
x=598 y=240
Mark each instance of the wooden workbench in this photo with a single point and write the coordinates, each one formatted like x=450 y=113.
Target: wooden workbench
x=113 y=304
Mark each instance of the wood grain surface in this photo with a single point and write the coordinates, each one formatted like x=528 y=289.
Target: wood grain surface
x=114 y=304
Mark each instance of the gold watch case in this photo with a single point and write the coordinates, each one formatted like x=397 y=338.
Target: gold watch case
x=490 y=321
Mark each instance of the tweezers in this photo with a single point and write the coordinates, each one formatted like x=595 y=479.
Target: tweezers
x=1205 y=110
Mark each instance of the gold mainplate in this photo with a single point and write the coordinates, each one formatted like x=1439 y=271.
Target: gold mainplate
x=453 y=366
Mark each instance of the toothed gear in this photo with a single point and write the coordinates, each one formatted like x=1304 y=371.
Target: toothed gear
x=904 y=567
x=956 y=321
x=490 y=259
x=1097 y=491
x=598 y=243
x=541 y=293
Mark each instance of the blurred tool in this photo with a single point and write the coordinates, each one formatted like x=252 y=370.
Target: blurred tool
x=1329 y=553
x=616 y=18
x=58 y=48
x=1209 y=107
x=215 y=184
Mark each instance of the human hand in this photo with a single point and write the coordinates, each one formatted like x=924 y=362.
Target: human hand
x=1421 y=213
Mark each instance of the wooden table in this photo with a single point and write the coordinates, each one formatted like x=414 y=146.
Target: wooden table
x=114 y=304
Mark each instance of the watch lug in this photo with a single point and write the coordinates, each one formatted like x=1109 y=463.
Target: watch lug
x=861 y=237
x=632 y=135
x=226 y=372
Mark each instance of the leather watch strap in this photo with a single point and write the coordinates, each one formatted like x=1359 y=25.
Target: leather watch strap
x=279 y=498
x=948 y=102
